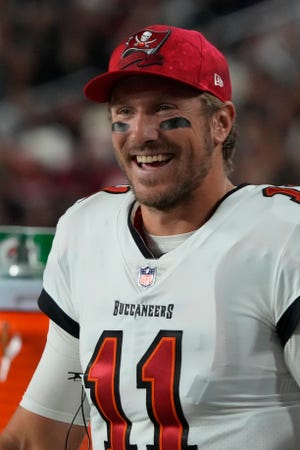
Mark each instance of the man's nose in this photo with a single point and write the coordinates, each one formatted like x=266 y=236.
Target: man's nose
x=144 y=128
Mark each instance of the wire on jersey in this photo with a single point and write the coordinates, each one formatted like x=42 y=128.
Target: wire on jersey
x=80 y=408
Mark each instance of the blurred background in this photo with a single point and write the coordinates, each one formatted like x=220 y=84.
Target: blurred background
x=55 y=145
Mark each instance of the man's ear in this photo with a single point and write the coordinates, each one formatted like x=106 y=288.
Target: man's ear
x=222 y=122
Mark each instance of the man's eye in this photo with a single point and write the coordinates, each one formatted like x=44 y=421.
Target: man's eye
x=124 y=111
x=120 y=112
x=164 y=107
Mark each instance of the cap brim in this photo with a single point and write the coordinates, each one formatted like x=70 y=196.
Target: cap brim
x=99 y=88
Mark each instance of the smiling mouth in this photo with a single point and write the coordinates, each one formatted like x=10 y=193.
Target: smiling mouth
x=160 y=159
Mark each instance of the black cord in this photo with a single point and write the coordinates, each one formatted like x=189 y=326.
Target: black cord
x=83 y=396
x=80 y=408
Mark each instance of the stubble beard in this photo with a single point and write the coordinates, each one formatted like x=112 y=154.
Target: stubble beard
x=182 y=189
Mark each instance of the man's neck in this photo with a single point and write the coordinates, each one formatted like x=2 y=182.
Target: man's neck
x=186 y=217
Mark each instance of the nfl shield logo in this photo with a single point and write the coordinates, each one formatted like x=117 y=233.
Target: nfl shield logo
x=147 y=276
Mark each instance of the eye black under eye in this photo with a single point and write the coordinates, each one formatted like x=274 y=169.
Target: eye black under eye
x=175 y=122
x=119 y=127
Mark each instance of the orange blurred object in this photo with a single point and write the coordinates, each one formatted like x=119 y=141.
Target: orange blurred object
x=22 y=338
x=31 y=327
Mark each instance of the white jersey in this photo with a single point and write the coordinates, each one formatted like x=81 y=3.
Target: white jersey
x=185 y=351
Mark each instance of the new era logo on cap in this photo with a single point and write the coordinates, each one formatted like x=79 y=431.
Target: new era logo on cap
x=175 y=53
x=218 y=80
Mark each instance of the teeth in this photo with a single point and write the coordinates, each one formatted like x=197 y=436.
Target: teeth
x=142 y=159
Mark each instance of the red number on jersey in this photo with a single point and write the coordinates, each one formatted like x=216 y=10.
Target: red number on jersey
x=102 y=377
x=158 y=372
x=294 y=194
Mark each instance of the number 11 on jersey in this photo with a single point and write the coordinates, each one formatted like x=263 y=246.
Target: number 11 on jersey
x=158 y=372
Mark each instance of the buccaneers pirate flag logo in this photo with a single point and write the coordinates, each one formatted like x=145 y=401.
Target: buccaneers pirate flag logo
x=142 y=48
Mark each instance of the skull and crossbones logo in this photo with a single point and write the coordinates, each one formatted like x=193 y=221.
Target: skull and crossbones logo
x=144 y=41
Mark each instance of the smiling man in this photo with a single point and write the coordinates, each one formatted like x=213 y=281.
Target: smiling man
x=174 y=301
x=164 y=143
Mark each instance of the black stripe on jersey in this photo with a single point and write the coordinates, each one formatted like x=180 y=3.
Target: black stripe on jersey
x=55 y=313
x=138 y=238
x=288 y=321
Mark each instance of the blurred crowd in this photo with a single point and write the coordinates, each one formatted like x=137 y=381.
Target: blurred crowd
x=55 y=145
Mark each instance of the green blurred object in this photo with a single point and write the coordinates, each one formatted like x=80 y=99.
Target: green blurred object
x=24 y=251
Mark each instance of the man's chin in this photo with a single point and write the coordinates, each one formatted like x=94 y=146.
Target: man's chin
x=160 y=200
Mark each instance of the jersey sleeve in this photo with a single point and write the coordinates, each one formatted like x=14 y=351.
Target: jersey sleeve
x=55 y=299
x=287 y=287
x=55 y=390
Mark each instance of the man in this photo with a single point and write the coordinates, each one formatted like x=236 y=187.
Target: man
x=176 y=300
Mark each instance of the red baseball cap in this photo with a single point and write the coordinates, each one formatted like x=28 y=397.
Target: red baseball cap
x=169 y=52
